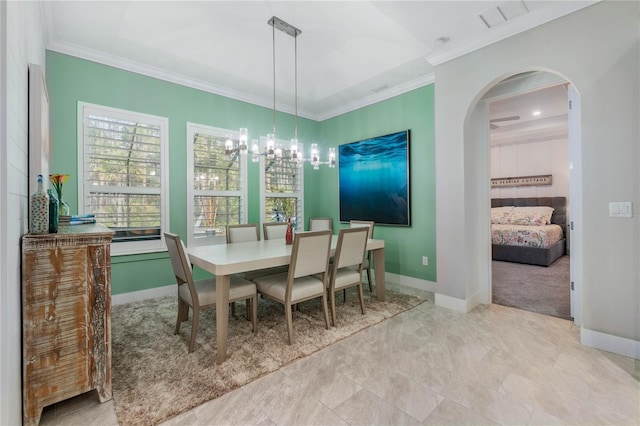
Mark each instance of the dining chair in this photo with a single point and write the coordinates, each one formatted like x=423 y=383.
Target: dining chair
x=242 y=233
x=274 y=230
x=320 y=223
x=201 y=294
x=367 y=262
x=348 y=261
x=309 y=256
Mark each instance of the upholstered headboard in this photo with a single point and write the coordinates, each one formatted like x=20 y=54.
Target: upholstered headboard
x=559 y=205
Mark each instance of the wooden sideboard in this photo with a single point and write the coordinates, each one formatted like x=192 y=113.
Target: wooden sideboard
x=66 y=316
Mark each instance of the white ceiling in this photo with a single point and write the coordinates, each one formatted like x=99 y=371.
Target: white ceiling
x=350 y=53
x=528 y=107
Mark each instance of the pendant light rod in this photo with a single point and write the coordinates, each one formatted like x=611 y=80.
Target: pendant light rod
x=273 y=35
x=285 y=27
x=295 y=132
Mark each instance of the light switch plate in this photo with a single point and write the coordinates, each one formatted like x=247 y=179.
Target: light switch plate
x=620 y=209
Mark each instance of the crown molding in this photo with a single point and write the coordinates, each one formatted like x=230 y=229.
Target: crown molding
x=509 y=29
x=379 y=96
x=154 y=72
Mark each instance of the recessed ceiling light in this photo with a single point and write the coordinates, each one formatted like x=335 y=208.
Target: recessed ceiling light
x=536 y=112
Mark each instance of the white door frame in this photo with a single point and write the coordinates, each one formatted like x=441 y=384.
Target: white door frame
x=575 y=208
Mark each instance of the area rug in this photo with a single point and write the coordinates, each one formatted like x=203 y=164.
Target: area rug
x=533 y=288
x=155 y=378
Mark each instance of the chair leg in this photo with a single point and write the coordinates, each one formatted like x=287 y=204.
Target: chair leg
x=361 y=296
x=288 y=314
x=194 y=329
x=326 y=311
x=254 y=312
x=369 y=278
x=332 y=297
x=233 y=309
x=344 y=295
x=181 y=308
x=248 y=305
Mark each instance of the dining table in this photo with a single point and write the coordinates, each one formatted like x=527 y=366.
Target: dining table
x=224 y=260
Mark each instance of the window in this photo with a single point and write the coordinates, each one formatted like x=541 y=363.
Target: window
x=281 y=186
x=124 y=175
x=217 y=189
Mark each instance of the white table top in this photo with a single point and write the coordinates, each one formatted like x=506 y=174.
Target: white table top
x=226 y=259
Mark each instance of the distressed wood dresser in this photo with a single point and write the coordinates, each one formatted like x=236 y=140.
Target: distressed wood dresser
x=66 y=316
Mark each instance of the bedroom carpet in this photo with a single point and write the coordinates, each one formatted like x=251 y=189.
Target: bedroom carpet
x=155 y=378
x=533 y=288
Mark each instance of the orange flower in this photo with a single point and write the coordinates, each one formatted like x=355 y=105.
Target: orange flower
x=57 y=181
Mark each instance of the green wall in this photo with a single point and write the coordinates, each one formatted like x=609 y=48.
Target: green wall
x=404 y=246
x=71 y=80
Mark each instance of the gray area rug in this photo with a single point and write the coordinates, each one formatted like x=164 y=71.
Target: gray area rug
x=154 y=377
x=533 y=288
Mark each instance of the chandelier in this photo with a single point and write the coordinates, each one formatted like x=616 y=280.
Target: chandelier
x=272 y=148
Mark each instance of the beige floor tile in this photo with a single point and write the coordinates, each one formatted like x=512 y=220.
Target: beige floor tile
x=493 y=365
x=412 y=397
x=223 y=411
x=559 y=404
x=494 y=405
x=326 y=382
x=451 y=413
x=539 y=418
x=366 y=408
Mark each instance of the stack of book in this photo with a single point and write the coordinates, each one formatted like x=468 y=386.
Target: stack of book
x=77 y=220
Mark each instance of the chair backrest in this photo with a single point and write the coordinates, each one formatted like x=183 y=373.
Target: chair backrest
x=310 y=253
x=179 y=261
x=362 y=223
x=351 y=247
x=274 y=230
x=242 y=233
x=320 y=223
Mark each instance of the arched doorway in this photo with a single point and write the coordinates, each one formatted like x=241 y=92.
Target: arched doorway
x=477 y=149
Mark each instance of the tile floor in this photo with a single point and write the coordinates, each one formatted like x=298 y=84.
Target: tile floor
x=430 y=365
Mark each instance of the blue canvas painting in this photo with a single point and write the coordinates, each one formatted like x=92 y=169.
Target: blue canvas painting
x=374 y=180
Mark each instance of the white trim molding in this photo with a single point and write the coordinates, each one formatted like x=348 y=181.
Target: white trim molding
x=405 y=281
x=610 y=343
x=151 y=293
x=458 y=305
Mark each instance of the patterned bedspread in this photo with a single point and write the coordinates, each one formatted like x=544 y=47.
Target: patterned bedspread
x=526 y=235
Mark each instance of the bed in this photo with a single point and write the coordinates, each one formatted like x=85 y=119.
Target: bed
x=524 y=230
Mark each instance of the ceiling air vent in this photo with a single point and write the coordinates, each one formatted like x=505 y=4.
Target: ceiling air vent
x=503 y=13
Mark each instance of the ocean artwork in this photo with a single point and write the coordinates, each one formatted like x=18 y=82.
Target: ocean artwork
x=374 y=180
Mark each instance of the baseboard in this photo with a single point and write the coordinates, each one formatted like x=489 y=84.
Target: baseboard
x=135 y=296
x=610 y=343
x=417 y=283
x=458 y=305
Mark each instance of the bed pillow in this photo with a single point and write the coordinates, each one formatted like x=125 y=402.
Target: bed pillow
x=538 y=215
x=500 y=215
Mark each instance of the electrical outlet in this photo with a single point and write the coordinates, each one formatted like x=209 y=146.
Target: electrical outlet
x=425 y=261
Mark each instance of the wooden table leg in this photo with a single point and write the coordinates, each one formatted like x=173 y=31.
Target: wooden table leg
x=378 y=267
x=222 y=316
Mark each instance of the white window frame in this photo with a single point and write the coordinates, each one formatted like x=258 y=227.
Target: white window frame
x=192 y=130
x=128 y=247
x=299 y=225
